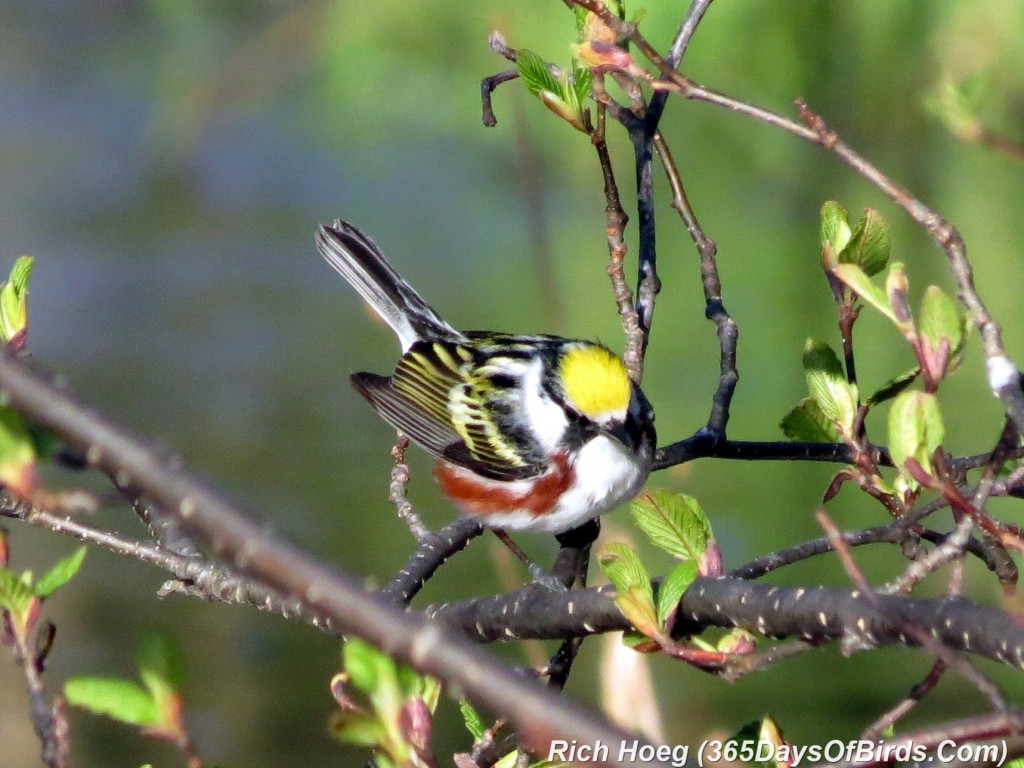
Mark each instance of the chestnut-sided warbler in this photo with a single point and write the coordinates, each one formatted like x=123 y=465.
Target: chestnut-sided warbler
x=531 y=433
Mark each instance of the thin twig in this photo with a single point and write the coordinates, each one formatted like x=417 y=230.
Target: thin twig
x=907 y=626
x=615 y=223
x=714 y=307
x=194 y=576
x=45 y=716
x=918 y=692
x=397 y=491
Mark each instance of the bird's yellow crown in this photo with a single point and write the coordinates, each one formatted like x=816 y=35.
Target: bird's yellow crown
x=595 y=380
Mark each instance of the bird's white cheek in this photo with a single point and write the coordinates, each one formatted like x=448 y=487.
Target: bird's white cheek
x=545 y=417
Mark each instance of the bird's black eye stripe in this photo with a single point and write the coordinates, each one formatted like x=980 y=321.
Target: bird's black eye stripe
x=503 y=381
x=578 y=430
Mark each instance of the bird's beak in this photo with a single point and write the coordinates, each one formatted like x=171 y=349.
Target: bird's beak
x=635 y=432
x=627 y=432
x=617 y=431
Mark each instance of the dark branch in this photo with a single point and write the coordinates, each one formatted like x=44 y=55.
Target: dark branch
x=815 y=614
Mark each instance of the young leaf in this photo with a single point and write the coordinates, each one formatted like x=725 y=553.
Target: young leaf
x=15 y=594
x=161 y=666
x=835 y=226
x=362 y=662
x=123 y=700
x=60 y=574
x=582 y=84
x=857 y=280
x=869 y=247
x=17 y=457
x=828 y=386
x=672 y=588
x=580 y=13
x=411 y=684
x=534 y=72
x=941 y=320
x=896 y=289
x=915 y=429
x=808 y=422
x=634 y=594
x=736 y=640
x=359 y=728
x=623 y=568
x=673 y=522
x=894 y=386
x=474 y=723
x=14 y=302
x=557 y=103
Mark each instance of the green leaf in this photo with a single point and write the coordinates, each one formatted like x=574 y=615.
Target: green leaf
x=161 y=666
x=580 y=14
x=17 y=457
x=896 y=289
x=915 y=429
x=894 y=386
x=359 y=728
x=15 y=594
x=955 y=105
x=748 y=738
x=557 y=103
x=808 y=422
x=634 y=640
x=869 y=247
x=634 y=594
x=673 y=522
x=60 y=574
x=857 y=281
x=14 y=300
x=672 y=588
x=940 y=320
x=827 y=384
x=430 y=691
x=363 y=663
x=411 y=684
x=45 y=442
x=835 y=226
x=474 y=723
x=623 y=568
x=122 y=700
x=535 y=74
x=582 y=84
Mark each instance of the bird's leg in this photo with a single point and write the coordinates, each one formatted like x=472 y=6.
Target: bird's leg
x=574 y=554
x=539 y=576
x=573 y=557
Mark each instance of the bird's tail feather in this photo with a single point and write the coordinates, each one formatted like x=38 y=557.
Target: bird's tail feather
x=358 y=259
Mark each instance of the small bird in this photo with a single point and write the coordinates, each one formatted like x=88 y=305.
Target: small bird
x=531 y=433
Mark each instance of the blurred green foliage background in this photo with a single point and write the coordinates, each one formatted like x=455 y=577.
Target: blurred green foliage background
x=167 y=164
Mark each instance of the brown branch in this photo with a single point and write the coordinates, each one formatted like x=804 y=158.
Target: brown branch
x=615 y=223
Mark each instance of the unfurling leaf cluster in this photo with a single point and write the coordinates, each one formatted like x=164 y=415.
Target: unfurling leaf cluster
x=384 y=705
x=834 y=411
